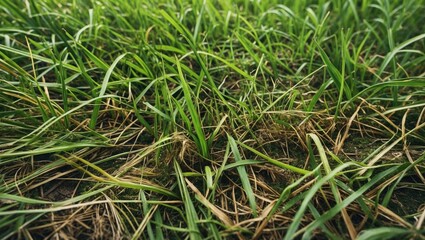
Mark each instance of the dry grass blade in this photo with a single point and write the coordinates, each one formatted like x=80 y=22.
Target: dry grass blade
x=216 y=211
x=421 y=220
x=143 y=224
x=389 y=147
x=264 y=218
x=341 y=139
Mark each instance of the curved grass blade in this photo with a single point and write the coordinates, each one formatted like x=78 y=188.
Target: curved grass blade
x=243 y=176
x=390 y=56
x=95 y=113
x=276 y=162
x=384 y=233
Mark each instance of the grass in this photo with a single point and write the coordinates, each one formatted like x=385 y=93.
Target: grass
x=212 y=119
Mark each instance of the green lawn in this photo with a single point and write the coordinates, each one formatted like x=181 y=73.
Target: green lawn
x=260 y=119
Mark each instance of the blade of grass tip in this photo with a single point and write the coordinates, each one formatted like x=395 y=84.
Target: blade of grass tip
x=101 y=64
x=242 y=163
x=275 y=162
x=420 y=221
x=229 y=64
x=389 y=191
x=321 y=150
x=179 y=27
x=96 y=108
x=384 y=233
x=157 y=111
x=191 y=216
x=406 y=107
x=243 y=176
x=209 y=177
x=217 y=130
x=185 y=117
x=201 y=140
x=217 y=212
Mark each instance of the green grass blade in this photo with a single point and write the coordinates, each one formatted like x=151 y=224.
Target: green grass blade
x=201 y=140
x=384 y=233
x=275 y=162
x=96 y=108
x=390 y=56
x=191 y=213
x=243 y=175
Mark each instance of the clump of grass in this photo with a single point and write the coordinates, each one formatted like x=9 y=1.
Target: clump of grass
x=201 y=119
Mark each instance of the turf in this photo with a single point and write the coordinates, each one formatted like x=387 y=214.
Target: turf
x=218 y=119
